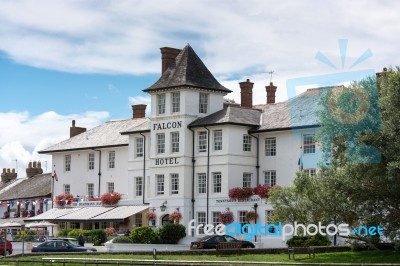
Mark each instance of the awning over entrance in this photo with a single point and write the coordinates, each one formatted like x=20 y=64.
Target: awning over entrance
x=85 y=213
x=52 y=214
x=119 y=213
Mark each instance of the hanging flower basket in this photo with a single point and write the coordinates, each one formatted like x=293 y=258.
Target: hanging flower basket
x=251 y=216
x=150 y=215
x=110 y=198
x=226 y=217
x=240 y=193
x=64 y=199
x=6 y=215
x=176 y=216
x=24 y=213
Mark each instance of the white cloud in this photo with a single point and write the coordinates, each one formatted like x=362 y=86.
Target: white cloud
x=23 y=135
x=234 y=38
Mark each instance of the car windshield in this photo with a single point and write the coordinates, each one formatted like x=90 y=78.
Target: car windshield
x=73 y=242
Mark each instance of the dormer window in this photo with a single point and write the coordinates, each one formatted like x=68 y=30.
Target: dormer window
x=161 y=103
x=203 y=103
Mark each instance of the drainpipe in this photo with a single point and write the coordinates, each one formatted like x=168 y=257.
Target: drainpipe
x=193 y=174
x=144 y=167
x=208 y=173
x=99 y=170
x=258 y=159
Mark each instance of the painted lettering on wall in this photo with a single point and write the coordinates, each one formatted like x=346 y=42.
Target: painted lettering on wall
x=166 y=161
x=167 y=125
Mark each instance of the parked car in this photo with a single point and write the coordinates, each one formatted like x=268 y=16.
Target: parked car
x=71 y=240
x=60 y=246
x=209 y=242
x=8 y=247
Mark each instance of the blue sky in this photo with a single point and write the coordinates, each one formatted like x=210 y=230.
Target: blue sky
x=90 y=60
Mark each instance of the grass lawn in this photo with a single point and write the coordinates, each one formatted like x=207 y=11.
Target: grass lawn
x=349 y=257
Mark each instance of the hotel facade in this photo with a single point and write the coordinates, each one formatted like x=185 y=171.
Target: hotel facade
x=187 y=155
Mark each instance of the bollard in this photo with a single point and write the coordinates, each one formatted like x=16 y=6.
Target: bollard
x=154 y=254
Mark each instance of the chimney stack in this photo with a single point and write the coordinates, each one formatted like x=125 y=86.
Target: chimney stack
x=139 y=110
x=34 y=169
x=8 y=175
x=168 y=56
x=271 y=89
x=73 y=131
x=246 y=93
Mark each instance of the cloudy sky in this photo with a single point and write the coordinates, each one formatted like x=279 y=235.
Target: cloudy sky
x=90 y=60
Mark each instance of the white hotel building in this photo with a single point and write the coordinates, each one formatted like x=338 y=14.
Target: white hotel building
x=187 y=154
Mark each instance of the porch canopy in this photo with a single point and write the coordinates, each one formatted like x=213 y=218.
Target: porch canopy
x=52 y=214
x=84 y=214
x=119 y=213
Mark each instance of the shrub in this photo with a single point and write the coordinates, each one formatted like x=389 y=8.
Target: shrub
x=98 y=236
x=144 y=235
x=122 y=239
x=171 y=233
x=110 y=231
x=305 y=241
x=63 y=232
x=77 y=232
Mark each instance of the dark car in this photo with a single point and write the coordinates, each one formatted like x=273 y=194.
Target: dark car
x=8 y=247
x=71 y=240
x=60 y=246
x=209 y=242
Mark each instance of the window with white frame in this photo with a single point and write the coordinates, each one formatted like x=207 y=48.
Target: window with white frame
x=217 y=181
x=268 y=214
x=91 y=161
x=110 y=187
x=161 y=104
x=138 y=219
x=247 y=179
x=90 y=190
x=270 y=178
x=201 y=183
x=139 y=147
x=270 y=146
x=139 y=186
x=67 y=162
x=203 y=141
x=174 y=183
x=242 y=219
x=175 y=141
x=176 y=102
x=246 y=143
x=67 y=188
x=203 y=103
x=111 y=159
x=215 y=218
x=217 y=140
x=201 y=219
x=308 y=143
x=160 y=184
x=310 y=171
x=161 y=143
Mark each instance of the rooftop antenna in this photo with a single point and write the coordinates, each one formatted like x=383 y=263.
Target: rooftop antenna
x=270 y=75
x=16 y=165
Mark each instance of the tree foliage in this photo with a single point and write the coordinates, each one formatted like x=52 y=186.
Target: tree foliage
x=359 y=178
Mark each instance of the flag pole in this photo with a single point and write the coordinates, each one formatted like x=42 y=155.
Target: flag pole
x=52 y=189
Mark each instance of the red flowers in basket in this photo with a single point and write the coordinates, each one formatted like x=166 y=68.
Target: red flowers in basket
x=110 y=198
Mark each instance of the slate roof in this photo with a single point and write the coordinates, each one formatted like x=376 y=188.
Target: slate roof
x=105 y=135
x=187 y=71
x=144 y=127
x=26 y=188
x=230 y=115
x=298 y=112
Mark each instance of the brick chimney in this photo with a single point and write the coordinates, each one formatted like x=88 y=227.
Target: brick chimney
x=34 y=169
x=168 y=56
x=246 y=93
x=73 y=131
x=8 y=175
x=271 y=89
x=139 y=110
